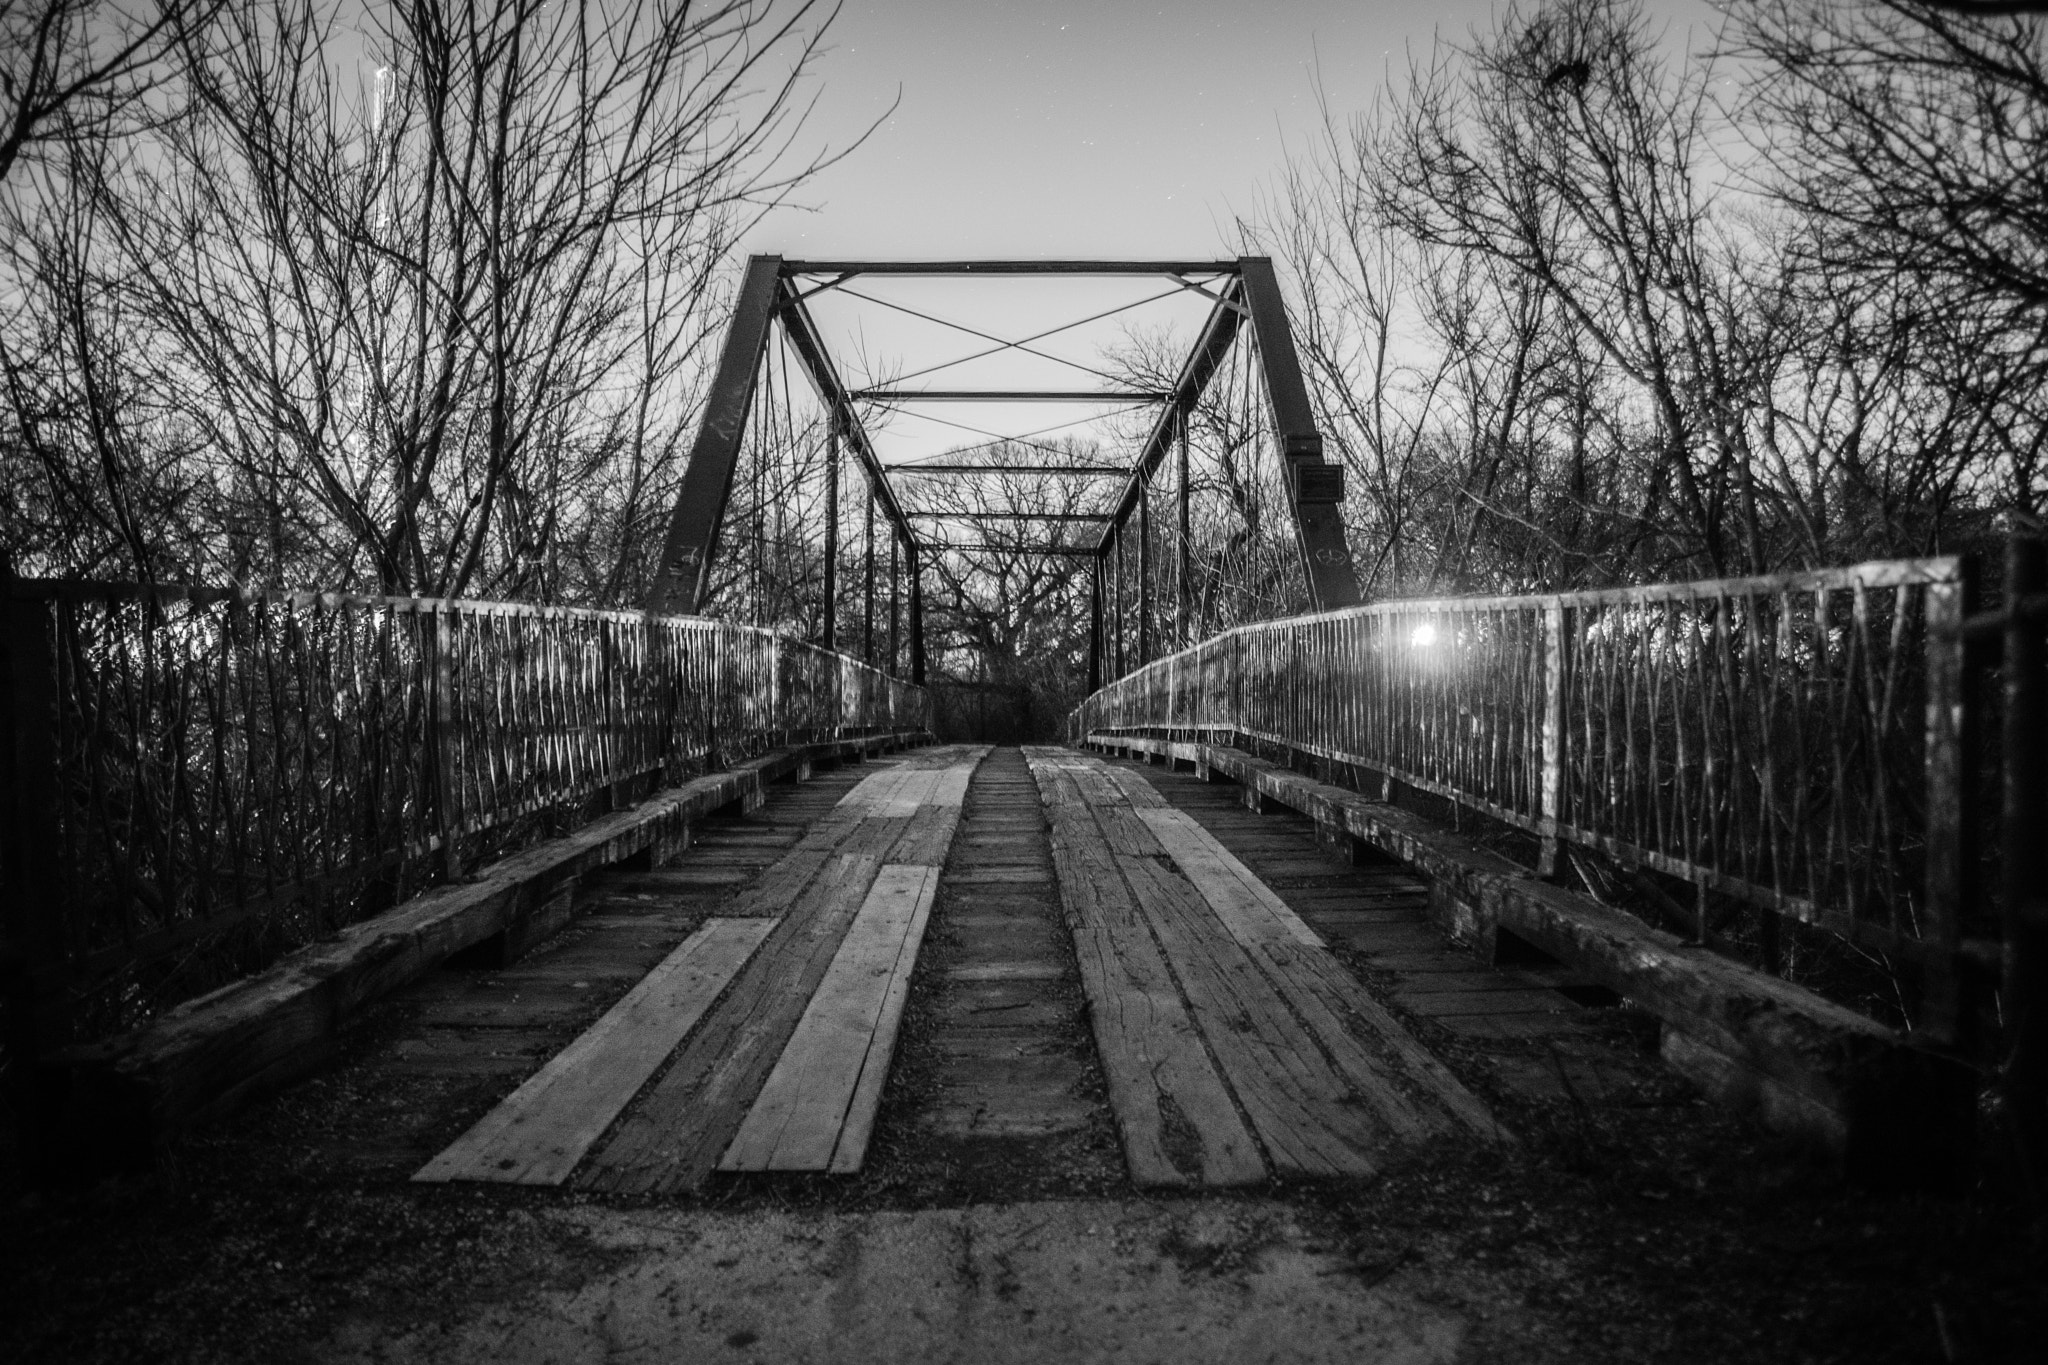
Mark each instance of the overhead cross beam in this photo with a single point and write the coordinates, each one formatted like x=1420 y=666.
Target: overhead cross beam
x=1009 y=396
x=852 y=268
x=1090 y=470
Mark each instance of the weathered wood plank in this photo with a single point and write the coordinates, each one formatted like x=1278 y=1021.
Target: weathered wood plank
x=673 y=1134
x=841 y=1045
x=1376 y=1064
x=137 y=1091
x=1246 y=905
x=539 y=1133
x=682 y=1124
x=1178 y=1122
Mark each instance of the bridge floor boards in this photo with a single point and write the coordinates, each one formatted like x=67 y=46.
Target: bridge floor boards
x=427 y=1063
x=477 y=1025
x=1534 y=1039
x=1327 y=1080
x=996 y=1071
x=753 y=1053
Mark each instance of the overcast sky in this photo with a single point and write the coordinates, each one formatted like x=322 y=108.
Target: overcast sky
x=1088 y=127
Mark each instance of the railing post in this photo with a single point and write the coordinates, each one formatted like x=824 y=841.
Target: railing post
x=2025 y=870
x=1553 y=737
x=446 y=745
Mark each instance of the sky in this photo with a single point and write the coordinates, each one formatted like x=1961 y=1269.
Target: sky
x=1066 y=128
x=1087 y=127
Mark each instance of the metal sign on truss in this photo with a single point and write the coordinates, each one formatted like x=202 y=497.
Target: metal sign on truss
x=770 y=292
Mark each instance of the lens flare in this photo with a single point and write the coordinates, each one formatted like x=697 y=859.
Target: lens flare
x=1424 y=636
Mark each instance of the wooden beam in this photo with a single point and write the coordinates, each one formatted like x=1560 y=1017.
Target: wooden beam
x=841 y=1049
x=540 y=1132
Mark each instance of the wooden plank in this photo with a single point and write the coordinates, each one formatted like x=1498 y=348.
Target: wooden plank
x=1379 y=1067
x=1246 y=905
x=841 y=1046
x=539 y=1133
x=677 y=1128
x=1178 y=1122
x=207 y=1055
x=1434 y=1003
x=1310 y=1119
x=681 y=1126
x=851 y=1149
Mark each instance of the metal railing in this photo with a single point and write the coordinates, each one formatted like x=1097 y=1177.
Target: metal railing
x=204 y=778
x=1793 y=742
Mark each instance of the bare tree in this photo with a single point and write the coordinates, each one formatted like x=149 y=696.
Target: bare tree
x=1004 y=617
x=1907 y=137
x=442 y=324
x=72 y=66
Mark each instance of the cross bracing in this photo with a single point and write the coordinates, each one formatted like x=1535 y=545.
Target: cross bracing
x=1161 y=399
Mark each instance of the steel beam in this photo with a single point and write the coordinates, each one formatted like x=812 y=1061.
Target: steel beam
x=1144 y=574
x=1009 y=268
x=916 y=568
x=1009 y=516
x=1183 y=581
x=1008 y=396
x=829 y=636
x=1093 y=470
x=867 y=611
x=1315 y=489
x=685 y=571
x=1095 y=626
x=1056 y=551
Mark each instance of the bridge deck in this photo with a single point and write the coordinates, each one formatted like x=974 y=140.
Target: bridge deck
x=1230 y=1040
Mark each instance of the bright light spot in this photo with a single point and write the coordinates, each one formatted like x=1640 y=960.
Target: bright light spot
x=1424 y=636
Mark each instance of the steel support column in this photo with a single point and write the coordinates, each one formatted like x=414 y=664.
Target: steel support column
x=1315 y=489
x=916 y=569
x=684 y=573
x=830 y=634
x=1144 y=574
x=1183 y=574
x=867 y=609
x=1095 y=624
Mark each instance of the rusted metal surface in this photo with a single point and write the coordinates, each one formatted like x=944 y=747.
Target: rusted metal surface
x=230 y=774
x=1789 y=741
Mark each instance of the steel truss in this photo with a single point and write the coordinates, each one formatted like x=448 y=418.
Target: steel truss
x=774 y=290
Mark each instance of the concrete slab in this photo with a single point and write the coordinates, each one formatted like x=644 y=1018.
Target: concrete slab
x=1236 y=1281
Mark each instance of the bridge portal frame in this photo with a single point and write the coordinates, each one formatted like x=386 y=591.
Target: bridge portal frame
x=772 y=290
